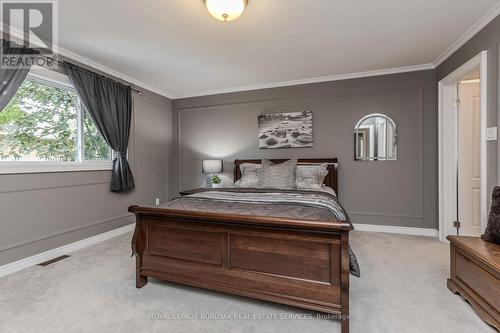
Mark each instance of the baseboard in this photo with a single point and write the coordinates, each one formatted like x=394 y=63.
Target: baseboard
x=72 y=247
x=69 y=248
x=397 y=230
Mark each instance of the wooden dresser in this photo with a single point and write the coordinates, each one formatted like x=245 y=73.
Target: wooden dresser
x=475 y=275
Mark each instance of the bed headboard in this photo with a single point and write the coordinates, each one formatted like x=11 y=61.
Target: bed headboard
x=331 y=178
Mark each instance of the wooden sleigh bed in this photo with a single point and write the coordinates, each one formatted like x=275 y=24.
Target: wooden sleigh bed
x=294 y=262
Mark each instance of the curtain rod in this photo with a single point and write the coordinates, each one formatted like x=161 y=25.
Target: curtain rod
x=60 y=65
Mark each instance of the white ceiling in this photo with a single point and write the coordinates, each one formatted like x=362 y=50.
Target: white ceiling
x=176 y=48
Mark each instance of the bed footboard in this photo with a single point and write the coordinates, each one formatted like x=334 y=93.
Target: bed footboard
x=298 y=263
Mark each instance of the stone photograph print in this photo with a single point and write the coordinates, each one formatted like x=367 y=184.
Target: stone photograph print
x=286 y=130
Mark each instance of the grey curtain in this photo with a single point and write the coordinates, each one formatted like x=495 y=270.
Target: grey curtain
x=11 y=78
x=109 y=104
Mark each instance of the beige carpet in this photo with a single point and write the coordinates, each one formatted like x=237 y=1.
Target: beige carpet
x=402 y=289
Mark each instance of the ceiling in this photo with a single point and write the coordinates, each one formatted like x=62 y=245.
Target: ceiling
x=176 y=48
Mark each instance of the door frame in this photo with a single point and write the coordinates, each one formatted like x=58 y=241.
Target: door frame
x=448 y=152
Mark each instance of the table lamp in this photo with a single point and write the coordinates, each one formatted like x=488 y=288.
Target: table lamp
x=212 y=168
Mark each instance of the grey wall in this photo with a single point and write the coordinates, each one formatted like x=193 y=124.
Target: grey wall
x=400 y=193
x=39 y=212
x=487 y=39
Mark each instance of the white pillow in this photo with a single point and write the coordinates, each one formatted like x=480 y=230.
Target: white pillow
x=250 y=175
x=311 y=176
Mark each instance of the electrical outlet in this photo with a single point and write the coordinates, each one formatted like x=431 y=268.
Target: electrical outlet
x=157 y=201
x=491 y=134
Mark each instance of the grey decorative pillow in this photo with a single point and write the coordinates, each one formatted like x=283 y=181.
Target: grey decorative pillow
x=278 y=175
x=311 y=176
x=250 y=175
x=492 y=232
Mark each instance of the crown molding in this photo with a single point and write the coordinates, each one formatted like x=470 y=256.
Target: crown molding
x=318 y=79
x=18 y=34
x=468 y=34
x=119 y=75
x=471 y=32
x=489 y=16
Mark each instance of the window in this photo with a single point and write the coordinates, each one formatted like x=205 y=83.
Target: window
x=44 y=127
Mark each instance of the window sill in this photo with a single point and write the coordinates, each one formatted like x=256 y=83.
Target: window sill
x=10 y=168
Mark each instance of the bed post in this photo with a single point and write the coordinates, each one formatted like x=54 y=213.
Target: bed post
x=344 y=280
x=138 y=247
x=236 y=171
x=334 y=174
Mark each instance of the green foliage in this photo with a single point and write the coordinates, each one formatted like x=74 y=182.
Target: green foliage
x=40 y=123
x=216 y=179
x=95 y=146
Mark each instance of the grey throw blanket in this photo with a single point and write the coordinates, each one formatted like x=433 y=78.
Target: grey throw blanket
x=316 y=199
x=282 y=198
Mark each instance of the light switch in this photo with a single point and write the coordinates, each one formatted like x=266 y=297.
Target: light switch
x=491 y=134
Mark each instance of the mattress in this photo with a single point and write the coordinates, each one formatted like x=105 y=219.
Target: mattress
x=305 y=205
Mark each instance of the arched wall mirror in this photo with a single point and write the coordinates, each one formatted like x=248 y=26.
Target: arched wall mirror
x=375 y=138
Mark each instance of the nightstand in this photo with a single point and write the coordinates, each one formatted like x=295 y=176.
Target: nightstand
x=193 y=191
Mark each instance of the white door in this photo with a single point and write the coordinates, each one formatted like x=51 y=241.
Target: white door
x=462 y=149
x=469 y=158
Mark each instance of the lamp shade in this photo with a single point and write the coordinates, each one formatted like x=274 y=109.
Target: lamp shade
x=212 y=166
x=226 y=10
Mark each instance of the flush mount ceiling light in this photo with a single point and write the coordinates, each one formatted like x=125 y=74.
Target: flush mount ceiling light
x=226 y=10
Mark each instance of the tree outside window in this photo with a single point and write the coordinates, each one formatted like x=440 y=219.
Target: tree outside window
x=45 y=122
